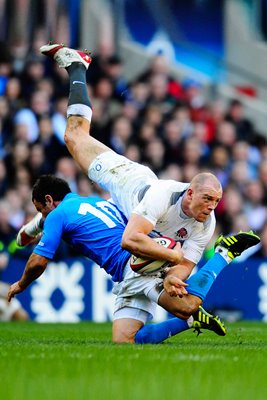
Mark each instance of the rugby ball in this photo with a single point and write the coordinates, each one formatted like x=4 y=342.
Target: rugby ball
x=149 y=267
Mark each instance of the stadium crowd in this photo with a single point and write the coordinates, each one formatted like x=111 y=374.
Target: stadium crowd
x=155 y=119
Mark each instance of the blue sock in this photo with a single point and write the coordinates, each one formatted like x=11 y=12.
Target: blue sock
x=156 y=333
x=201 y=282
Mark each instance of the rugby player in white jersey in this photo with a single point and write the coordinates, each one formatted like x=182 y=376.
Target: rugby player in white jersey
x=182 y=211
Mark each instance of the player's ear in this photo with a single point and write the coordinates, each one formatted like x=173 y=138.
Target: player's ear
x=48 y=199
x=189 y=193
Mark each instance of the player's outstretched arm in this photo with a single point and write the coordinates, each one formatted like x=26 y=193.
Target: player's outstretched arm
x=35 y=266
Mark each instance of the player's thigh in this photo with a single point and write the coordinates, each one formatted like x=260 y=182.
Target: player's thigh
x=125 y=180
x=125 y=329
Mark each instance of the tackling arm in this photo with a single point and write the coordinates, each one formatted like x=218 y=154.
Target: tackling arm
x=35 y=266
x=176 y=274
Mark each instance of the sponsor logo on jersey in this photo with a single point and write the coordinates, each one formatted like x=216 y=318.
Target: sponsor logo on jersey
x=182 y=233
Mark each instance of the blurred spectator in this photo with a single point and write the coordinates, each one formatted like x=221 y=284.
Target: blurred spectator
x=120 y=135
x=200 y=132
x=39 y=106
x=132 y=152
x=191 y=153
x=172 y=135
x=260 y=251
x=159 y=93
x=16 y=208
x=67 y=169
x=13 y=94
x=219 y=163
x=240 y=223
x=17 y=158
x=59 y=118
x=255 y=210
x=102 y=94
x=33 y=73
x=240 y=175
x=189 y=171
x=52 y=146
x=84 y=186
x=172 y=171
x=10 y=311
x=37 y=162
x=105 y=50
x=6 y=126
x=262 y=174
x=138 y=93
x=159 y=64
x=215 y=117
x=195 y=99
x=153 y=115
x=232 y=204
x=113 y=69
x=3 y=178
x=225 y=135
x=154 y=155
x=181 y=114
x=147 y=132
x=242 y=151
x=236 y=115
x=7 y=233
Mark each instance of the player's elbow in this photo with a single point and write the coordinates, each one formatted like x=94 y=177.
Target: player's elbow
x=129 y=244
x=125 y=243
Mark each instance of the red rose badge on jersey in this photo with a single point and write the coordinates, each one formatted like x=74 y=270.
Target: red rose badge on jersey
x=182 y=233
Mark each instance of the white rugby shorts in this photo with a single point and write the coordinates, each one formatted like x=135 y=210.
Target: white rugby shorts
x=122 y=178
x=137 y=295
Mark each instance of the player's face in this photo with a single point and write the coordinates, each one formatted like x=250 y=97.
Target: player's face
x=204 y=201
x=45 y=209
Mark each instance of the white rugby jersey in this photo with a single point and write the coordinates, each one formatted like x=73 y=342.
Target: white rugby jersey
x=161 y=205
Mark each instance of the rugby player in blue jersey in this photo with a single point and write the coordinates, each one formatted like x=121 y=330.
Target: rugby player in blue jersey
x=95 y=227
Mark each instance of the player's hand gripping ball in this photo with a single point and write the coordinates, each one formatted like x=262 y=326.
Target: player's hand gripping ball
x=149 y=267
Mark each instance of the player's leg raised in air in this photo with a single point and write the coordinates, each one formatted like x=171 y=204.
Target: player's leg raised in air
x=113 y=172
x=83 y=147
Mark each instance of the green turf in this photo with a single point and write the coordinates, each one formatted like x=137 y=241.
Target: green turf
x=78 y=361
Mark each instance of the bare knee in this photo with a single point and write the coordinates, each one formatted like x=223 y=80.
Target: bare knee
x=121 y=337
x=125 y=329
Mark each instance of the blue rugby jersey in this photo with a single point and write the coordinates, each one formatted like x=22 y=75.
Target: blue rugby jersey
x=92 y=226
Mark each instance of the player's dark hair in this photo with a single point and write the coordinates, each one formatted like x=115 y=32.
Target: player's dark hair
x=52 y=185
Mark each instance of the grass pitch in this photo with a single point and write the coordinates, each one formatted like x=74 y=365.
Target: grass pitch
x=79 y=362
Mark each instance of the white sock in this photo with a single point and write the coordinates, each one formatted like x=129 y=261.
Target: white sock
x=190 y=321
x=224 y=253
x=81 y=110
